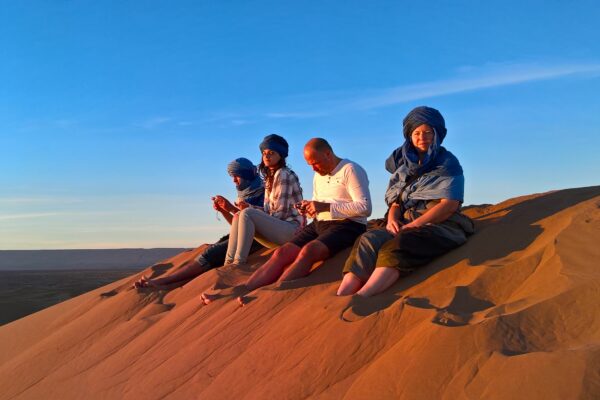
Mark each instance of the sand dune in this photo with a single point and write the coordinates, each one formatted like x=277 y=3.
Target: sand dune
x=514 y=313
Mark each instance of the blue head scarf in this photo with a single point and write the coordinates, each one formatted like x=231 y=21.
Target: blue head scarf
x=424 y=115
x=251 y=188
x=243 y=168
x=276 y=143
x=440 y=175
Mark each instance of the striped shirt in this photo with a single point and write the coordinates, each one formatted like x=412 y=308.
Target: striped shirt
x=285 y=192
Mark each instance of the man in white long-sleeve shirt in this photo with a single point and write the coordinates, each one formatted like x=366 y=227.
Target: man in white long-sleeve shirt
x=340 y=207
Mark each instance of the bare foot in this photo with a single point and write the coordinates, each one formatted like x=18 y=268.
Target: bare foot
x=208 y=298
x=241 y=300
x=350 y=285
x=140 y=283
x=145 y=283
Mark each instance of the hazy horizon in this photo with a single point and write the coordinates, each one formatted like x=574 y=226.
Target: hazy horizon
x=83 y=259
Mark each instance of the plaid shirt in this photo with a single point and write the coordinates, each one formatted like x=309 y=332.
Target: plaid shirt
x=285 y=192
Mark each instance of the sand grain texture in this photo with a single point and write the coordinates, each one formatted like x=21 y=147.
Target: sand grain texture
x=514 y=313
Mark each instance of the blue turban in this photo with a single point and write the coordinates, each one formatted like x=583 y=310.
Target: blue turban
x=276 y=143
x=243 y=168
x=424 y=115
x=438 y=172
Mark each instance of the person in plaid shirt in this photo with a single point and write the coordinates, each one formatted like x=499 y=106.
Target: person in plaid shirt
x=340 y=206
x=276 y=222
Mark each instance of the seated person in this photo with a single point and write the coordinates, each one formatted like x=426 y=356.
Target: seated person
x=250 y=190
x=340 y=207
x=275 y=222
x=423 y=221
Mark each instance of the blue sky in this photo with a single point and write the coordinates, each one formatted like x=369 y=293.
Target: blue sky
x=117 y=119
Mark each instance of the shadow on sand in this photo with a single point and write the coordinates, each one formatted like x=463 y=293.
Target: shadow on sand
x=494 y=239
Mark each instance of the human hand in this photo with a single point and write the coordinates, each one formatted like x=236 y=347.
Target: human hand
x=242 y=204
x=393 y=226
x=220 y=203
x=312 y=208
x=301 y=207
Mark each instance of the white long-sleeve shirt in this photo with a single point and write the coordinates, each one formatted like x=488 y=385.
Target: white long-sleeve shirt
x=346 y=188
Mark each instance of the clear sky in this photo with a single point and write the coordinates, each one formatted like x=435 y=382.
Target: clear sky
x=118 y=118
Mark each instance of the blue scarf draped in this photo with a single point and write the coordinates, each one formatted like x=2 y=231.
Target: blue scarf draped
x=440 y=175
x=252 y=191
x=250 y=188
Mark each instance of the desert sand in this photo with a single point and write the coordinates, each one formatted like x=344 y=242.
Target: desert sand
x=514 y=313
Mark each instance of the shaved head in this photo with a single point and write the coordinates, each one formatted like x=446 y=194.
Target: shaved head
x=318 y=144
x=319 y=155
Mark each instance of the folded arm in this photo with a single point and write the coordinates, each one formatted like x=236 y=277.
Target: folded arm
x=436 y=214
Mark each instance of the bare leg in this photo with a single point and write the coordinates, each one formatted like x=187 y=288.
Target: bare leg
x=350 y=285
x=270 y=271
x=187 y=272
x=311 y=253
x=381 y=279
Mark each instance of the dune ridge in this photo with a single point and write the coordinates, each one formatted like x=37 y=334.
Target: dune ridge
x=514 y=313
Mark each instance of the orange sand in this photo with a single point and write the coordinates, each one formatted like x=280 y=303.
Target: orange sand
x=514 y=313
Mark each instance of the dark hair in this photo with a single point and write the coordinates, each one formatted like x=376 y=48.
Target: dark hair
x=268 y=174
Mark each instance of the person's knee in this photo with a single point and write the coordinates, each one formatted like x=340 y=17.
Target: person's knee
x=287 y=250
x=369 y=236
x=366 y=239
x=249 y=212
x=314 y=251
x=368 y=242
x=244 y=214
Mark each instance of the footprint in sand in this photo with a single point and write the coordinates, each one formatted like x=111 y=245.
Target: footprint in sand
x=459 y=312
x=361 y=307
x=155 y=307
x=153 y=310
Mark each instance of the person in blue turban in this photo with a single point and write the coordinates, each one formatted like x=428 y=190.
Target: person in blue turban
x=423 y=221
x=250 y=192
x=278 y=220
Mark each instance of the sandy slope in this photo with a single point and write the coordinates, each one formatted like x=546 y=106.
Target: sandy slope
x=515 y=313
